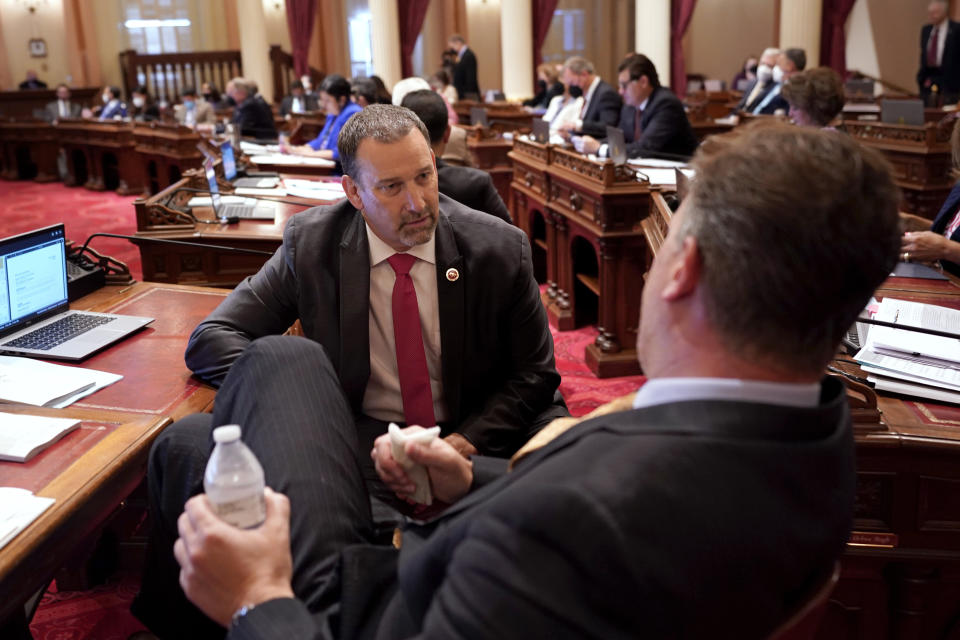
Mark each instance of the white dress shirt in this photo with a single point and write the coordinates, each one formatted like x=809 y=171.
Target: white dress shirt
x=382 y=399
x=667 y=390
x=296 y=105
x=587 y=97
x=63 y=107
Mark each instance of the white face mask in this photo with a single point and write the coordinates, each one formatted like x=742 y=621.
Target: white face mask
x=777 y=75
x=139 y=102
x=105 y=97
x=764 y=73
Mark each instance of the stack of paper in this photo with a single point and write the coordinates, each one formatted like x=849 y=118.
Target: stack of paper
x=22 y=437
x=913 y=363
x=18 y=508
x=43 y=384
x=292 y=160
x=326 y=190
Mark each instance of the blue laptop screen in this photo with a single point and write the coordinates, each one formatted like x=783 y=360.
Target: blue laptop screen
x=229 y=162
x=33 y=276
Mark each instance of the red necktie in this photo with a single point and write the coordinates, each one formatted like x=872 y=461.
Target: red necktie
x=637 y=126
x=411 y=360
x=932 y=47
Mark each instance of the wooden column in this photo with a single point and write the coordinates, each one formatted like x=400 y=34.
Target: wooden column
x=800 y=27
x=652 y=34
x=516 y=45
x=386 y=41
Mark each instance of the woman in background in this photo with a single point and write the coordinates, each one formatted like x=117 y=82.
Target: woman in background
x=815 y=97
x=335 y=99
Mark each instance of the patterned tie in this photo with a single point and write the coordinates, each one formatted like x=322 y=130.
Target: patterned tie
x=411 y=360
x=637 y=125
x=932 y=47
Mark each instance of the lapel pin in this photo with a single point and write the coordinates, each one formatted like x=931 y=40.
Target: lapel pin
x=453 y=275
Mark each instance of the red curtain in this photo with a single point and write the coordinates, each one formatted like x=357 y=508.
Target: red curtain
x=681 y=13
x=412 y=14
x=542 y=17
x=301 y=14
x=833 y=40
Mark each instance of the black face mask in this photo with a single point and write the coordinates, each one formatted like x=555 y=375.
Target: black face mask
x=753 y=69
x=575 y=92
x=208 y=97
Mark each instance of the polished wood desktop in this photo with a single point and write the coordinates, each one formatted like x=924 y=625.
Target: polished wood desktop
x=94 y=468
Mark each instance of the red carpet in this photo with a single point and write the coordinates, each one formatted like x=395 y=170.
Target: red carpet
x=27 y=205
x=102 y=613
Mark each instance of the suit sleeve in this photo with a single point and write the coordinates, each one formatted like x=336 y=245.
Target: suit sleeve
x=553 y=576
x=504 y=421
x=280 y=619
x=664 y=125
x=493 y=203
x=608 y=114
x=263 y=304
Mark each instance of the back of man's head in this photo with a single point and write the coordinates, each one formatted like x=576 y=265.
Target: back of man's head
x=798 y=57
x=578 y=65
x=384 y=123
x=430 y=108
x=639 y=65
x=795 y=230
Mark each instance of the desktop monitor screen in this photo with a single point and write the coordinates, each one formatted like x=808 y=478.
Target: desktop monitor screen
x=229 y=162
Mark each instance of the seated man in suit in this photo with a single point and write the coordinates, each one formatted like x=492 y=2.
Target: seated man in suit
x=653 y=119
x=252 y=114
x=299 y=101
x=32 y=81
x=763 y=84
x=939 y=73
x=113 y=107
x=466 y=185
x=789 y=63
x=62 y=107
x=695 y=510
x=193 y=110
x=601 y=106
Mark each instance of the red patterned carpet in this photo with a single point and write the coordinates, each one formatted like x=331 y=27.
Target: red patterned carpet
x=102 y=613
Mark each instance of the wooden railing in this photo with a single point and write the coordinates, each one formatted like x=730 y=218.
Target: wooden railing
x=166 y=74
x=283 y=73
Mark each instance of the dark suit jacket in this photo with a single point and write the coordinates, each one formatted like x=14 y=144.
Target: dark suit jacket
x=666 y=127
x=672 y=521
x=51 y=111
x=943 y=219
x=499 y=376
x=255 y=118
x=473 y=188
x=744 y=106
x=465 y=76
x=309 y=104
x=602 y=111
x=948 y=75
x=33 y=84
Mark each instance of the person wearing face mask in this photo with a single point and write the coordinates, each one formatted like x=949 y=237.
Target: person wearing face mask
x=335 y=100
x=789 y=63
x=815 y=96
x=144 y=109
x=747 y=74
x=759 y=88
x=601 y=102
x=210 y=93
x=193 y=111
x=113 y=107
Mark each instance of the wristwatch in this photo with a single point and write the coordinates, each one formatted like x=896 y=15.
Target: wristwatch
x=240 y=613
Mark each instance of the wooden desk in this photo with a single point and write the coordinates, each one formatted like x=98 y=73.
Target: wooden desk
x=100 y=155
x=165 y=152
x=920 y=157
x=91 y=470
x=900 y=574
x=23 y=104
x=489 y=151
x=28 y=150
x=504 y=116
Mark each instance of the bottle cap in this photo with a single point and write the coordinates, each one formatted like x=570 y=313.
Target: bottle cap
x=226 y=433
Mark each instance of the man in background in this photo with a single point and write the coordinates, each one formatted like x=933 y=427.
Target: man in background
x=252 y=114
x=299 y=101
x=193 y=110
x=32 y=81
x=465 y=69
x=763 y=84
x=939 y=74
x=601 y=106
x=62 y=107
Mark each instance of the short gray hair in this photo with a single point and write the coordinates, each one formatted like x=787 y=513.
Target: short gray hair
x=243 y=84
x=579 y=65
x=795 y=229
x=384 y=123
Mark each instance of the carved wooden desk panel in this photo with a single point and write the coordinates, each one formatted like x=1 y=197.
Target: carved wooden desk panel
x=98 y=152
x=165 y=152
x=529 y=190
x=28 y=147
x=489 y=151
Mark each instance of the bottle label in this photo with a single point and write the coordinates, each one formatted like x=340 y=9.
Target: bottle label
x=245 y=513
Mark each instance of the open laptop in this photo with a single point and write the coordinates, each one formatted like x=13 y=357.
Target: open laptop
x=478 y=116
x=229 y=161
x=35 y=317
x=616 y=145
x=258 y=211
x=902 y=112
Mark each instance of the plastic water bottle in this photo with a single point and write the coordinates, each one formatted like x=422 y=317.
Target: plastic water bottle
x=233 y=480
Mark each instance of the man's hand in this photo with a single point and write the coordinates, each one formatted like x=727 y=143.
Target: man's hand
x=451 y=474
x=588 y=145
x=461 y=444
x=223 y=568
x=926 y=246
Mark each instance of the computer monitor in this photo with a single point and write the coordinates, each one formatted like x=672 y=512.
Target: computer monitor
x=616 y=145
x=541 y=130
x=902 y=112
x=478 y=115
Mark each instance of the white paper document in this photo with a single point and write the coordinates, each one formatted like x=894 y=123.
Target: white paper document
x=43 y=384
x=18 y=508
x=22 y=437
x=417 y=472
x=206 y=201
x=657 y=163
x=292 y=160
x=911 y=343
x=314 y=189
x=253 y=191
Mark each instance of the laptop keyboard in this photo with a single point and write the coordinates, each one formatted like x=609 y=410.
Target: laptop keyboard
x=56 y=333
x=241 y=211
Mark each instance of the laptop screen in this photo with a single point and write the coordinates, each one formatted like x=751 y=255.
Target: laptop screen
x=229 y=162
x=33 y=277
x=212 y=183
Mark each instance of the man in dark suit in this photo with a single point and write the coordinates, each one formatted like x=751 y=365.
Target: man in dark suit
x=601 y=106
x=62 y=107
x=252 y=114
x=692 y=512
x=653 y=119
x=757 y=90
x=32 y=81
x=466 y=185
x=298 y=101
x=939 y=74
x=465 y=69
